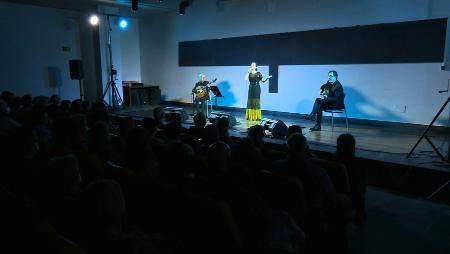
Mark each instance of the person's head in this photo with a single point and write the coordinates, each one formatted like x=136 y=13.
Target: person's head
x=294 y=129
x=223 y=124
x=297 y=146
x=26 y=100
x=211 y=134
x=54 y=100
x=77 y=128
x=158 y=114
x=150 y=124
x=345 y=148
x=332 y=76
x=103 y=206
x=253 y=66
x=98 y=136
x=201 y=77
x=4 y=108
x=218 y=155
x=256 y=134
x=199 y=120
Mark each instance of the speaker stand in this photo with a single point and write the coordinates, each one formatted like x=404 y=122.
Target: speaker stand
x=80 y=82
x=424 y=135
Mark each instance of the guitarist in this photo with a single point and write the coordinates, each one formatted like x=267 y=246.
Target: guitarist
x=332 y=98
x=201 y=92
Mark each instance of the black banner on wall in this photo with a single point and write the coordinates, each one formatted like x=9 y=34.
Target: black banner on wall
x=405 y=42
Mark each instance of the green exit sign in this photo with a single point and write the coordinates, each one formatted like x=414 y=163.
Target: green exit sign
x=66 y=49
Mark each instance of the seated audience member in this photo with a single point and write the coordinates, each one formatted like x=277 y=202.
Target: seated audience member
x=223 y=124
x=6 y=121
x=345 y=153
x=159 y=115
x=199 y=125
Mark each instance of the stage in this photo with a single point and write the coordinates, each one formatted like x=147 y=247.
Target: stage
x=382 y=146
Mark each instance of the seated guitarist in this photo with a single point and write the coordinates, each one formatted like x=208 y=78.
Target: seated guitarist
x=201 y=92
x=332 y=98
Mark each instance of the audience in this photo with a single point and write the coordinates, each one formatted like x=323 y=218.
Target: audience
x=89 y=182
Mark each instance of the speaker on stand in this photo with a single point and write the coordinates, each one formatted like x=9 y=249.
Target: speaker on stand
x=76 y=72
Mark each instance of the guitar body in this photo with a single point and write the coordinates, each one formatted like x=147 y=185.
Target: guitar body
x=325 y=89
x=201 y=92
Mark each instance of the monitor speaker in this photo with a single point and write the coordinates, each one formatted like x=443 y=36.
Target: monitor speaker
x=170 y=113
x=277 y=127
x=214 y=117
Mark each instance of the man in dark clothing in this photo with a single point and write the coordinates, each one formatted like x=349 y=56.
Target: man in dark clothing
x=332 y=98
x=201 y=92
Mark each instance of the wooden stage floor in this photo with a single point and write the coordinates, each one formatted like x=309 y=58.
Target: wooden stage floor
x=389 y=142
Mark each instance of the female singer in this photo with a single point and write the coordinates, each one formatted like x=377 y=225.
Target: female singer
x=253 y=112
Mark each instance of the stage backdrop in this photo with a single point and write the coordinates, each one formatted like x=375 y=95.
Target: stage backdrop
x=389 y=65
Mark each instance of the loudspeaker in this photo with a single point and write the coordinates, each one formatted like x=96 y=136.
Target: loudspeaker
x=277 y=127
x=171 y=112
x=134 y=5
x=214 y=117
x=76 y=69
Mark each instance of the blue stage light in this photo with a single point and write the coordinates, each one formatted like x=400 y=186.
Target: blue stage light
x=123 y=23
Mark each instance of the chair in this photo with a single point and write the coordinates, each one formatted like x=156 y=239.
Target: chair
x=337 y=111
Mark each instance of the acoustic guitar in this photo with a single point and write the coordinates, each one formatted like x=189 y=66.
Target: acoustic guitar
x=202 y=92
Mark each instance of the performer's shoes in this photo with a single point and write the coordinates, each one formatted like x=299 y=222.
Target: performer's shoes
x=309 y=117
x=315 y=128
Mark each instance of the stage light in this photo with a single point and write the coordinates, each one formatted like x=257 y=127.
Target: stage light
x=182 y=7
x=94 y=20
x=122 y=23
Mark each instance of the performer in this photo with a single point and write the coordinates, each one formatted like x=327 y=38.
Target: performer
x=332 y=98
x=253 y=111
x=201 y=91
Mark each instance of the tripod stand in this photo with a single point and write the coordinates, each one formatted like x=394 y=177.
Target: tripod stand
x=116 y=99
x=424 y=135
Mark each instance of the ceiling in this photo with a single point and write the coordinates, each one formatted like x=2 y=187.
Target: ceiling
x=124 y=6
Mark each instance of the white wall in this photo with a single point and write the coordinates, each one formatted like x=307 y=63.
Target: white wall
x=31 y=41
x=374 y=91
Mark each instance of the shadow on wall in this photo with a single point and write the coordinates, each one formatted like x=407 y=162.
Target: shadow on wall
x=359 y=106
x=228 y=98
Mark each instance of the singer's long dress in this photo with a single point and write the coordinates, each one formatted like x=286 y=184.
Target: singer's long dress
x=253 y=112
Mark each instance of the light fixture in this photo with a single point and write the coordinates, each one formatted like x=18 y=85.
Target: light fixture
x=122 y=23
x=182 y=6
x=94 y=20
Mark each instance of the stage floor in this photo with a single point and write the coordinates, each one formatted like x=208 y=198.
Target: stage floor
x=374 y=140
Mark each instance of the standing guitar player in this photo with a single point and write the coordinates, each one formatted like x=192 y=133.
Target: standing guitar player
x=332 y=98
x=201 y=92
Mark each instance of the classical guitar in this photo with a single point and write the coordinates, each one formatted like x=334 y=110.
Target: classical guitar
x=325 y=89
x=203 y=91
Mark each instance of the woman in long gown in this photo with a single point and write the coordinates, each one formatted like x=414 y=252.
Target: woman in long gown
x=253 y=111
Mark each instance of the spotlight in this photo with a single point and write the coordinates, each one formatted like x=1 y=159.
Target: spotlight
x=134 y=5
x=94 y=20
x=182 y=7
x=122 y=23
